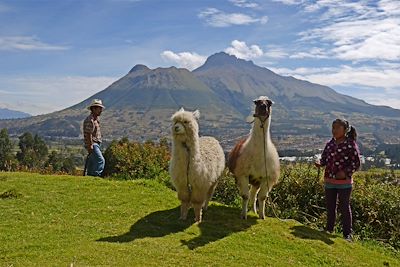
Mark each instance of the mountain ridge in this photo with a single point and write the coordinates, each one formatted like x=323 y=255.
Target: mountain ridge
x=261 y=79
x=6 y=113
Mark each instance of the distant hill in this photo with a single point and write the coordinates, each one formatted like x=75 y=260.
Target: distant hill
x=139 y=105
x=12 y=114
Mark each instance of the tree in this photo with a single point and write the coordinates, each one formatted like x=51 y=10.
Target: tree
x=33 y=150
x=61 y=163
x=55 y=161
x=7 y=157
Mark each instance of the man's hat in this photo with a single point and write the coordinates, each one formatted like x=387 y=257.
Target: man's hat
x=96 y=103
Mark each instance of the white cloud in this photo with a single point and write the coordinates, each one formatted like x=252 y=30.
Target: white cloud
x=335 y=8
x=300 y=72
x=355 y=31
x=389 y=98
x=244 y=3
x=364 y=76
x=218 y=18
x=241 y=50
x=38 y=95
x=184 y=59
x=275 y=52
x=379 y=86
x=289 y=2
x=361 y=40
x=26 y=43
x=390 y=7
x=314 y=52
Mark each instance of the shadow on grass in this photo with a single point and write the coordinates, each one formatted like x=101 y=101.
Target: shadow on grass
x=305 y=232
x=219 y=222
x=156 y=224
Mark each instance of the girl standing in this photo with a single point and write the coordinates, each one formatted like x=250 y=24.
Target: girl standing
x=341 y=159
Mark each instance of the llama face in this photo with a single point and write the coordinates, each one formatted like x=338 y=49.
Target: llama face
x=184 y=124
x=178 y=128
x=263 y=107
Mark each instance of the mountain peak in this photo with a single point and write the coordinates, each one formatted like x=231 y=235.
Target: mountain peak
x=223 y=58
x=139 y=67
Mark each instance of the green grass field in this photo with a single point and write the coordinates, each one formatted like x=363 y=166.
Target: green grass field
x=83 y=221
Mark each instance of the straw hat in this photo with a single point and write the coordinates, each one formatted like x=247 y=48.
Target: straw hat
x=96 y=103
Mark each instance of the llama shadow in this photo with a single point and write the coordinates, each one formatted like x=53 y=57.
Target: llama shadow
x=305 y=232
x=219 y=222
x=156 y=224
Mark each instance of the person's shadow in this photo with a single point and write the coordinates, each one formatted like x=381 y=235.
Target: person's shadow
x=305 y=232
x=218 y=223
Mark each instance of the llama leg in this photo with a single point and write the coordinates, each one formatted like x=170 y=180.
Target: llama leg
x=209 y=195
x=262 y=196
x=185 y=204
x=243 y=185
x=184 y=210
x=253 y=196
x=198 y=211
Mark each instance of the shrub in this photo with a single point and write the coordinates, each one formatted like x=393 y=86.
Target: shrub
x=59 y=162
x=227 y=191
x=133 y=160
x=375 y=202
x=300 y=194
x=376 y=209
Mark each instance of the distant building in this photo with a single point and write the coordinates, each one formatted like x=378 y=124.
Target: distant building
x=387 y=161
x=362 y=159
x=290 y=159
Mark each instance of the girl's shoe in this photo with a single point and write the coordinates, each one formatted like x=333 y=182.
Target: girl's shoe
x=348 y=238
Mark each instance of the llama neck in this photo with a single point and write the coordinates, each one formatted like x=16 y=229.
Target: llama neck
x=193 y=148
x=260 y=131
x=190 y=148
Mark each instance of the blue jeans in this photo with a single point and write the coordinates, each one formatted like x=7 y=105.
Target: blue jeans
x=95 y=165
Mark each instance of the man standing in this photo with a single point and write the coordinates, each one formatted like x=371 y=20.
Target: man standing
x=92 y=135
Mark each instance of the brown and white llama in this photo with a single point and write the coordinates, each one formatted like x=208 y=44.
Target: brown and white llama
x=255 y=161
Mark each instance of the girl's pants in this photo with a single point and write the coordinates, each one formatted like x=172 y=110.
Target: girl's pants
x=331 y=195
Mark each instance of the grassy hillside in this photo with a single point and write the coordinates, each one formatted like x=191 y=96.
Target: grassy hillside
x=63 y=220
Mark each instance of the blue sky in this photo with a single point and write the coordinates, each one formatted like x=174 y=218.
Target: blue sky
x=55 y=53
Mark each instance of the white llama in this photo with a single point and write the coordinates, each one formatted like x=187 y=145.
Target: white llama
x=255 y=161
x=196 y=164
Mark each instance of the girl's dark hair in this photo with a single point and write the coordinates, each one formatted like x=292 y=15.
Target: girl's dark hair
x=352 y=134
x=350 y=130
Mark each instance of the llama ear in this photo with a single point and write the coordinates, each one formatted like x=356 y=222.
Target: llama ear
x=181 y=109
x=196 y=114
